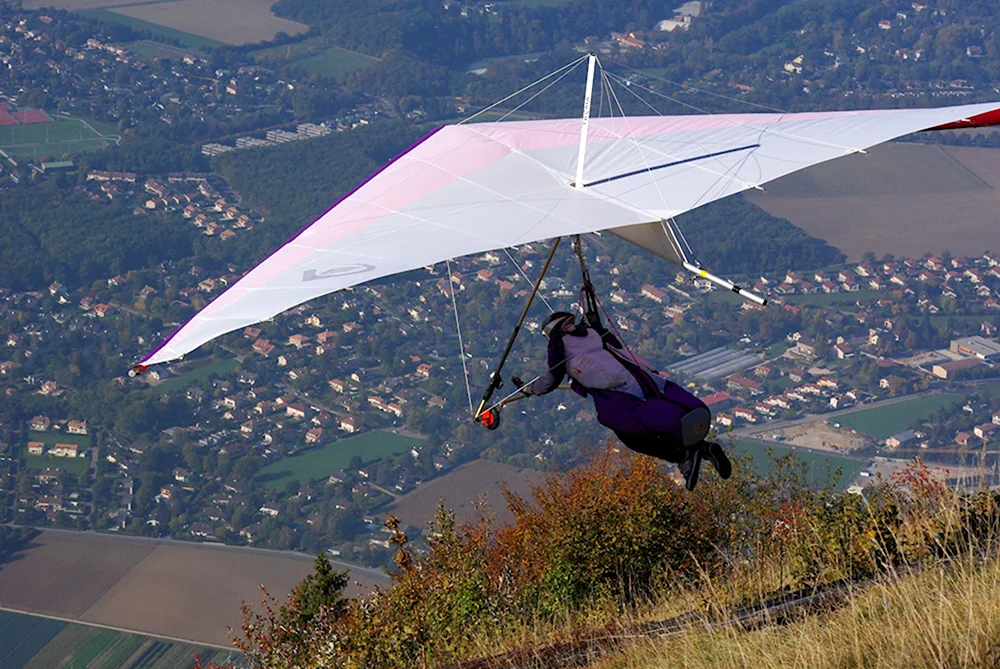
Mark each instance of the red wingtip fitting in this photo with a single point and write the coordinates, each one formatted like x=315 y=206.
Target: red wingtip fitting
x=137 y=370
x=490 y=419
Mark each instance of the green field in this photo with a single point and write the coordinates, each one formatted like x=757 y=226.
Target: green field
x=186 y=40
x=820 y=468
x=315 y=57
x=75 y=646
x=21 y=637
x=321 y=462
x=81 y=440
x=220 y=367
x=335 y=62
x=884 y=422
x=149 y=51
x=71 y=465
x=49 y=140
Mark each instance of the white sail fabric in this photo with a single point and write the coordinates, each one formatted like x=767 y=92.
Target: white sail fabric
x=467 y=189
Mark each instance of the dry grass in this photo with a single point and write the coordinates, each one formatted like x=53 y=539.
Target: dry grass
x=944 y=617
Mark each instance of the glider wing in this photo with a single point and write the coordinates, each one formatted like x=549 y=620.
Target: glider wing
x=466 y=189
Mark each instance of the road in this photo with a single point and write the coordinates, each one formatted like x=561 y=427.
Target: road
x=124 y=630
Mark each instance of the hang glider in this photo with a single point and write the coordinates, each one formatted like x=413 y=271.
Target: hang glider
x=470 y=188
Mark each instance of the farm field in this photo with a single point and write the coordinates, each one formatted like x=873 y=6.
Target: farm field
x=23 y=636
x=941 y=197
x=821 y=468
x=198 y=590
x=461 y=488
x=34 y=642
x=71 y=465
x=74 y=5
x=187 y=592
x=324 y=460
x=227 y=21
x=44 y=579
x=884 y=422
x=186 y=40
x=47 y=140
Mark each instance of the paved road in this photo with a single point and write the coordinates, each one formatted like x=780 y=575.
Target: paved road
x=125 y=630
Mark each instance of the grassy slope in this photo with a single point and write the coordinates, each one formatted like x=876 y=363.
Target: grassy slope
x=939 y=617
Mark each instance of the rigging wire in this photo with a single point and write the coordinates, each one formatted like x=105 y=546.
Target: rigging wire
x=461 y=344
x=550 y=85
x=570 y=66
x=701 y=90
x=514 y=263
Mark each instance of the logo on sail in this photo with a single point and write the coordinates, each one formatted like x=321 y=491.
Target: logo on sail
x=343 y=270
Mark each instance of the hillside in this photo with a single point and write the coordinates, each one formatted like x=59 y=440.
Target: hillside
x=614 y=560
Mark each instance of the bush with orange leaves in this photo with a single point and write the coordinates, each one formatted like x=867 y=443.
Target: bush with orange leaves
x=603 y=536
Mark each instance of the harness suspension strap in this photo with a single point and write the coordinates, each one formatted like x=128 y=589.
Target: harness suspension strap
x=495 y=380
x=590 y=310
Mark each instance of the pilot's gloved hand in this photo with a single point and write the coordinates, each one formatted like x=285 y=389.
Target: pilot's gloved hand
x=518 y=383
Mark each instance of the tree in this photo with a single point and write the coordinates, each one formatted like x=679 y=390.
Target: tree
x=321 y=589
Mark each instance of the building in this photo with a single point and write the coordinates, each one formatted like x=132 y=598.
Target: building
x=65 y=450
x=955 y=368
x=902 y=439
x=984 y=349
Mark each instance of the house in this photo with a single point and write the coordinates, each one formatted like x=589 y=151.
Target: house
x=77 y=427
x=264 y=347
x=349 y=424
x=843 y=351
x=985 y=431
x=653 y=293
x=337 y=385
x=718 y=401
x=36 y=447
x=270 y=510
x=201 y=530
x=902 y=439
x=745 y=414
x=314 y=435
x=424 y=370
x=65 y=450
x=182 y=475
x=296 y=410
x=40 y=423
x=743 y=383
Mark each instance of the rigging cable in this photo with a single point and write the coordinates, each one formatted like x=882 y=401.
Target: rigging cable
x=458 y=327
x=540 y=296
x=571 y=65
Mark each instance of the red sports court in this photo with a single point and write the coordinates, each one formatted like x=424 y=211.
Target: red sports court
x=31 y=116
x=7 y=119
